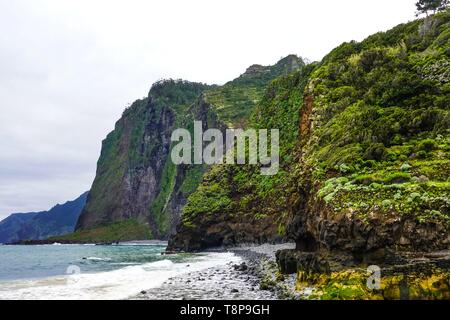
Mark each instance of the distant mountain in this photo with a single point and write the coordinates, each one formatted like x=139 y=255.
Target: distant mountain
x=59 y=220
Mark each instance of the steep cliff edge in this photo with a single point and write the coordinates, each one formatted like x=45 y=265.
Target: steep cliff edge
x=374 y=152
x=365 y=177
x=134 y=175
x=137 y=186
x=235 y=203
x=371 y=177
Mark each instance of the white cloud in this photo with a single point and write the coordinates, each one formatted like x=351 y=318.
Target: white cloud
x=68 y=69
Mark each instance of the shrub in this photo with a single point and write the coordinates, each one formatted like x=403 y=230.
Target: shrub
x=397 y=177
x=375 y=151
x=422 y=154
x=427 y=145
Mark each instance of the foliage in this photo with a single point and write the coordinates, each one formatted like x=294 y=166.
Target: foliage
x=424 y=6
x=237 y=190
x=381 y=125
x=136 y=144
x=235 y=101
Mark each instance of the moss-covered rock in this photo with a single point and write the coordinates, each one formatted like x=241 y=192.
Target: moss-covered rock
x=351 y=284
x=235 y=203
x=374 y=151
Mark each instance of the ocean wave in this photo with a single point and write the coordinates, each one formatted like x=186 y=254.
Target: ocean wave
x=97 y=259
x=111 y=285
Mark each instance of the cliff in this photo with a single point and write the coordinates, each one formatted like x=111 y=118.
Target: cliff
x=235 y=203
x=136 y=180
x=365 y=149
x=373 y=157
x=134 y=177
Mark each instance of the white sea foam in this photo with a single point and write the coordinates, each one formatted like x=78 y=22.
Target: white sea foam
x=98 y=259
x=117 y=284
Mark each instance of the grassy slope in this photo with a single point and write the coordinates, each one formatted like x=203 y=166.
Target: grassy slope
x=235 y=101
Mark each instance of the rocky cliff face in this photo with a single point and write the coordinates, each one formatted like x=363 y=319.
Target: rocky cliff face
x=370 y=180
x=134 y=176
x=365 y=153
x=373 y=129
x=235 y=203
x=136 y=179
x=365 y=148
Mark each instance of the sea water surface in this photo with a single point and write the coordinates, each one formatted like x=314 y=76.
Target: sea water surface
x=94 y=272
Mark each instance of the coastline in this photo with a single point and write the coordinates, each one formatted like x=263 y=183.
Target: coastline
x=253 y=276
x=57 y=242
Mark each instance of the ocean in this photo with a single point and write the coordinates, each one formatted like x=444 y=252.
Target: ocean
x=90 y=272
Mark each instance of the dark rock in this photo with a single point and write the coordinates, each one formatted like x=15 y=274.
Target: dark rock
x=242 y=267
x=291 y=261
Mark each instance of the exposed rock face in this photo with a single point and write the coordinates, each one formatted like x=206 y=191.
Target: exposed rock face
x=256 y=70
x=235 y=204
x=135 y=178
x=356 y=202
x=289 y=64
x=222 y=230
x=366 y=173
x=338 y=205
x=136 y=187
x=318 y=227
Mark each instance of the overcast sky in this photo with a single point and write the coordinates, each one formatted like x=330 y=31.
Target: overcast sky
x=69 y=68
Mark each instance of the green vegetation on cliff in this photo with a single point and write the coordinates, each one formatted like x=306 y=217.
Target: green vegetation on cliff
x=136 y=178
x=365 y=149
x=381 y=138
x=254 y=205
x=235 y=101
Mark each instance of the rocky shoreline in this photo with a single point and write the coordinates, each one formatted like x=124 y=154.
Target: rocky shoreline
x=279 y=272
x=254 y=277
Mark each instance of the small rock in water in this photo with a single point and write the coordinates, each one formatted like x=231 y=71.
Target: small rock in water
x=234 y=291
x=242 y=267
